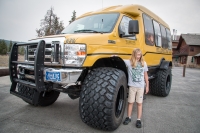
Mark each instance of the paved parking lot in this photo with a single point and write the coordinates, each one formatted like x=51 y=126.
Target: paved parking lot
x=177 y=113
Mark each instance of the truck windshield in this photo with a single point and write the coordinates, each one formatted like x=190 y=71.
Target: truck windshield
x=99 y=23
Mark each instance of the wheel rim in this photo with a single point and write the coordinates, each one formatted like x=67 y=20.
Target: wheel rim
x=119 y=102
x=168 y=83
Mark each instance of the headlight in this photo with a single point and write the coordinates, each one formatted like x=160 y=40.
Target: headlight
x=75 y=54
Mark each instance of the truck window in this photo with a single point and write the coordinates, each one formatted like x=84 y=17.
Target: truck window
x=169 y=39
x=164 y=37
x=80 y=26
x=148 y=29
x=157 y=34
x=99 y=23
x=124 y=26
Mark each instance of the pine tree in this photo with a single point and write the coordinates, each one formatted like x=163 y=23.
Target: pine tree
x=73 y=17
x=3 y=47
x=10 y=46
x=1 y=42
x=57 y=26
x=50 y=25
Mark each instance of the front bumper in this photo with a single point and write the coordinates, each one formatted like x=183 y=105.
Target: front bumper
x=68 y=75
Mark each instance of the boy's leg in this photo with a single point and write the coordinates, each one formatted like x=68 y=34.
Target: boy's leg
x=131 y=100
x=144 y=97
x=129 y=111
x=139 y=100
x=139 y=115
x=139 y=111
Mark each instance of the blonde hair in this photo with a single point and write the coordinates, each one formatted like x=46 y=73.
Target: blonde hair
x=133 y=60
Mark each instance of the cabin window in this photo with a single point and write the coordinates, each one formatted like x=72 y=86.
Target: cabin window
x=148 y=29
x=164 y=37
x=169 y=39
x=157 y=34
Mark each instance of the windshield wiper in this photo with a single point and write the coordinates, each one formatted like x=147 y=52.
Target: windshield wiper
x=87 y=31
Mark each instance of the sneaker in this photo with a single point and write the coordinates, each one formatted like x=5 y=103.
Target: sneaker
x=138 y=124
x=126 y=121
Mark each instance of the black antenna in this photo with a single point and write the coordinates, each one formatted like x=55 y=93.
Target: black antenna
x=102 y=25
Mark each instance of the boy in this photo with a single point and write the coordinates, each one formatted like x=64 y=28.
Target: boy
x=137 y=73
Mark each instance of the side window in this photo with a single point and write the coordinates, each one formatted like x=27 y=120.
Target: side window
x=169 y=40
x=149 y=32
x=157 y=34
x=124 y=26
x=164 y=37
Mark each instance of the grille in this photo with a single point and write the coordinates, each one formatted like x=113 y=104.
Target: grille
x=48 y=53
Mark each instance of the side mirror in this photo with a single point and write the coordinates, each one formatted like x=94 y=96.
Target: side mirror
x=133 y=27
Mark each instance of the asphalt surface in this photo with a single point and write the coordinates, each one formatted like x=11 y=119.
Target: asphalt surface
x=179 y=112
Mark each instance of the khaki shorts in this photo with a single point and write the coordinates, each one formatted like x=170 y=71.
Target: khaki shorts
x=135 y=92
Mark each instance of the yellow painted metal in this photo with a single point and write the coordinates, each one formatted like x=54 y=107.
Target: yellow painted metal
x=98 y=45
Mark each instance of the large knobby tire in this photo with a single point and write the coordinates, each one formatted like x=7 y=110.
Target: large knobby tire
x=49 y=98
x=103 y=98
x=161 y=85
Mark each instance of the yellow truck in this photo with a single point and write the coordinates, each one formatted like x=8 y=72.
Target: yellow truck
x=86 y=61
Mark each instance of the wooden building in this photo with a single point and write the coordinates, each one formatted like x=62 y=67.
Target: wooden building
x=187 y=51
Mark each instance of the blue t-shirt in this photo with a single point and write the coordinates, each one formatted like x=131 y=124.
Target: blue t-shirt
x=136 y=75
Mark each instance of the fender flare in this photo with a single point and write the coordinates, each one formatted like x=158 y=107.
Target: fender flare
x=165 y=64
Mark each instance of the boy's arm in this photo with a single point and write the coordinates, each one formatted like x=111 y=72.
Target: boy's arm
x=146 y=78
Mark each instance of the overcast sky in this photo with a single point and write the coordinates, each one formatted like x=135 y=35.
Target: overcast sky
x=20 y=18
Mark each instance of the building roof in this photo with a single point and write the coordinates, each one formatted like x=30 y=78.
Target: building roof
x=190 y=39
x=197 y=54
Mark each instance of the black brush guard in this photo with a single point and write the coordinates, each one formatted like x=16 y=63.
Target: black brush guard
x=38 y=64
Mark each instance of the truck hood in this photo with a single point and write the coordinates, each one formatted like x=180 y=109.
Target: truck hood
x=86 y=38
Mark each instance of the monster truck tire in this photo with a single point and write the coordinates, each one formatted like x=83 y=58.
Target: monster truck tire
x=161 y=85
x=48 y=99
x=103 y=98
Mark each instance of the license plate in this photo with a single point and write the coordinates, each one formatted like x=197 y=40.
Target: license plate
x=53 y=76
